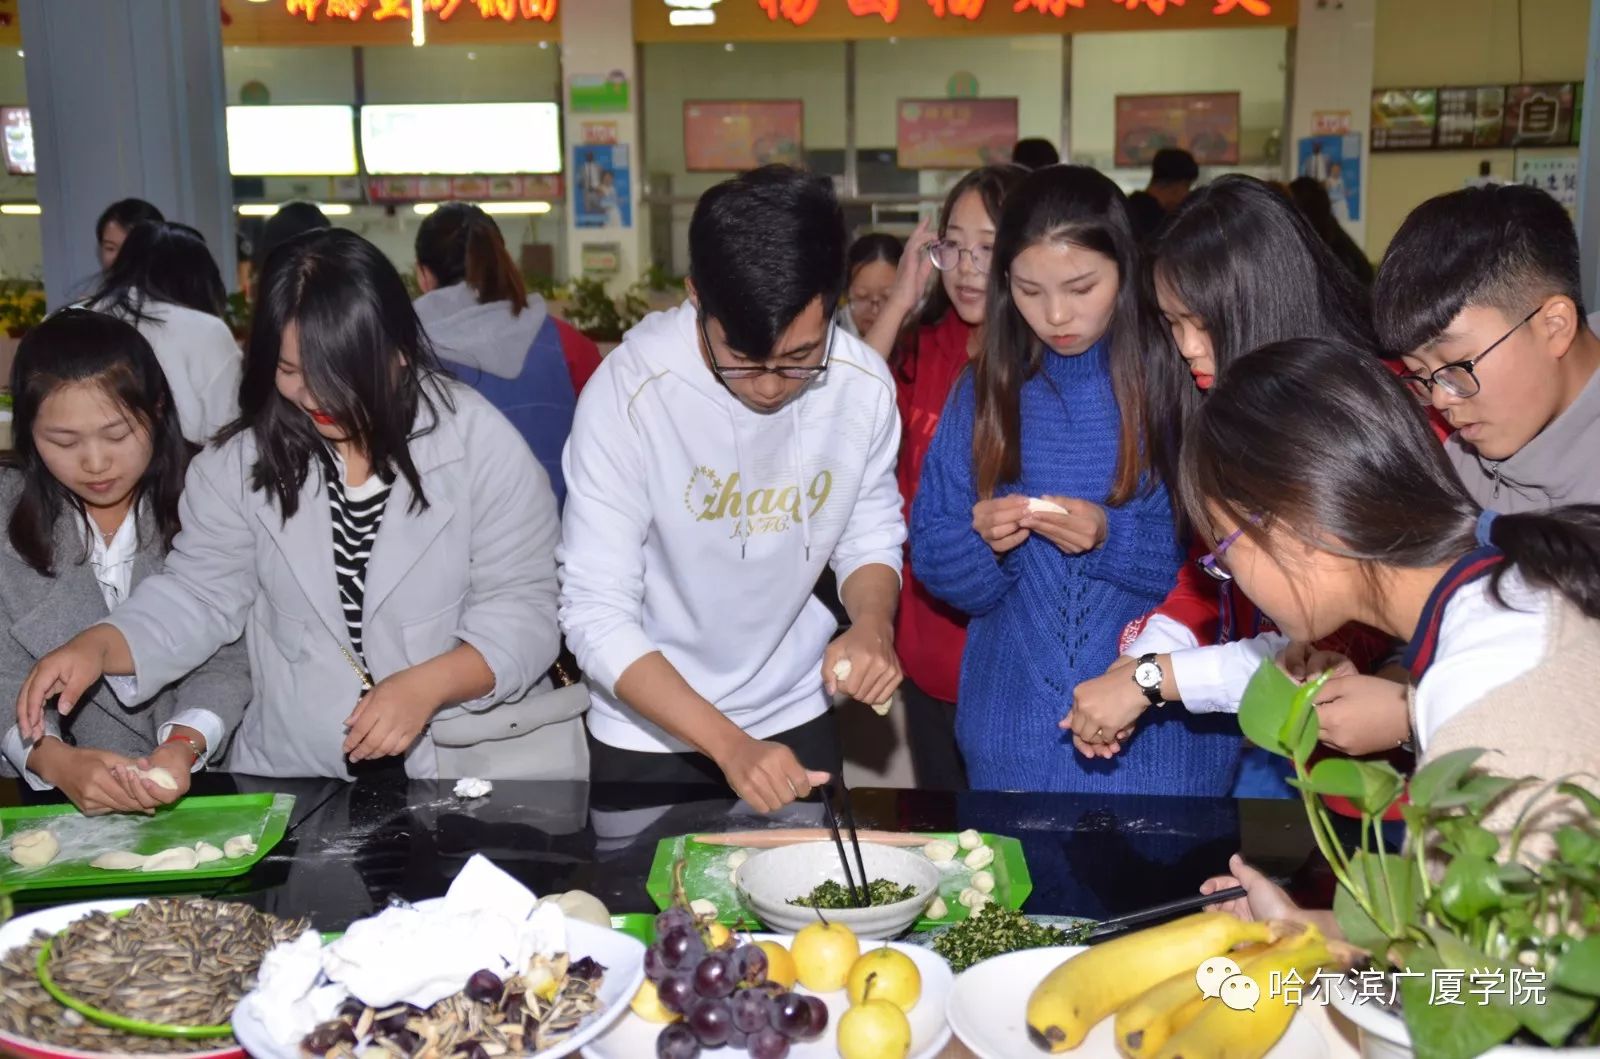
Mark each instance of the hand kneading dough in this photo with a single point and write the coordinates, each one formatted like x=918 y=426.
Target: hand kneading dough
x=239 y=846
x=34 y=849
x=119 y=860
x=1035 y=504
x=178 y=858
x=205 y=853
x=161 y=778
x=841 y=671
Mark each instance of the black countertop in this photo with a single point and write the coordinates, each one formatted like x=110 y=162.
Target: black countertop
x=352 y=845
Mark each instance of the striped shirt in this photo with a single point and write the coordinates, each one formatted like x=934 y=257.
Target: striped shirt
x=356 y=513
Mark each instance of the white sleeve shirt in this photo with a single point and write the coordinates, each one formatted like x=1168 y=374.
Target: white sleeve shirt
x=1209 y=679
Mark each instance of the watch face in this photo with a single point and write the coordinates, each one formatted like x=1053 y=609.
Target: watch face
x=1147 y=675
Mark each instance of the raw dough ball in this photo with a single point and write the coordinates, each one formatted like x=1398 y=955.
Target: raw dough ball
x=119 y=860
x=238 y=846
x=161 y=778
x=969 y=839
x=983 y=881
x=34 y=849
x=937 y=909
x=981 y=857
x=205 y=853
x=973 y=899
x=472 y=787
x=735 y=859
x=841 y=669
x=939 y=851
x=882 y=708
x=178 y=858
x=581 y=905
x=1036 y=504
x=703 y=909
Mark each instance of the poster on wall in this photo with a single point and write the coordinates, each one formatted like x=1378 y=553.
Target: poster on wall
x=1206 y=124
x=602 y=197
x=730 y=136
x=598 y=93
x=1335 y=163
x=1472 y=117
x=1557 y=175
x=1404 y=118
x=1539 y=115
x=955 y=134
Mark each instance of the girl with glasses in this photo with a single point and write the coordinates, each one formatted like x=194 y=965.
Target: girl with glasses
x=926 y=362
x=1039 y=515
x=871 y=267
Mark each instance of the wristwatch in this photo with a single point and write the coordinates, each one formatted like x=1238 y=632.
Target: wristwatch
x=1148 y=675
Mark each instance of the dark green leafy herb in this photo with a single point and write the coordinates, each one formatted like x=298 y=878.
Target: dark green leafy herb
x=996 y=930
x=833 y=895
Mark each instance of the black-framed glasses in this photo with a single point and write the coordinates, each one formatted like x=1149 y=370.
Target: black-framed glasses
x=744 y=373
x=946 y=256
x=1458 y=379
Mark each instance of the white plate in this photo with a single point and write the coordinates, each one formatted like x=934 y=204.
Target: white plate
x=620 y=955
x=634 y=1038
x=988 y=1011
x=51 y=920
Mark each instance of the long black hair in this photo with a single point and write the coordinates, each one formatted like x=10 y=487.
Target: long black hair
x=874 y=246
x=1319 y=439
x=1080 y=206
x=79 y=346
x=459 y=243
x=362 y=353
x=125 y=213
x=293 y=218
x=1313 y=201
x=993 y=183
x=162 y=262
x=1251 y=269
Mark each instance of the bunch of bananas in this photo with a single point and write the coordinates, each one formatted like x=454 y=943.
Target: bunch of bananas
x=1149 y=981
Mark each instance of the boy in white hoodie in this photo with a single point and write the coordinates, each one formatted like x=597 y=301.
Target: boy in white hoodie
x=720 y=457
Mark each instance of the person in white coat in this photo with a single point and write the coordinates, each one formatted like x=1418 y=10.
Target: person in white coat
x=378 y=532
x=165 y=282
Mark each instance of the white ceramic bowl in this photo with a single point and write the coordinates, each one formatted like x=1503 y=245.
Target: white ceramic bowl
x=769 y=880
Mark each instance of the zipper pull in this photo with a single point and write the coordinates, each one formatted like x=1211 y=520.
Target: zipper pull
x=1495 y=474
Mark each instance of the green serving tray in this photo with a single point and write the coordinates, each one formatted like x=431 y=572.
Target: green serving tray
x=706 y=876
x=264 y=817
x=640 y=926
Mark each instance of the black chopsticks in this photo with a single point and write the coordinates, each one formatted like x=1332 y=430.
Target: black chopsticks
x=862 y=897
x=1107 y=927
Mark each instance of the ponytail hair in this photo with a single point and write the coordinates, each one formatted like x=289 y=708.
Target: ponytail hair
x=1318 y=439
x=459 y=243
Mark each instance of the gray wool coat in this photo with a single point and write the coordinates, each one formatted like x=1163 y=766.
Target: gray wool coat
x=477 y=566
x=38 y=614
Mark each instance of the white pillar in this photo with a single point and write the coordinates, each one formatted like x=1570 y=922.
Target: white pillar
x=1333 y=73
x=596 y=42
x=127 y=99
x=1589 y=167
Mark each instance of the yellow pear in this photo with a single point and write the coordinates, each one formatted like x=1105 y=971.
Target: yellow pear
x=823 y=955
x=647 y=1004
x=890 y=974
x=874 y=1029
x=780 y=965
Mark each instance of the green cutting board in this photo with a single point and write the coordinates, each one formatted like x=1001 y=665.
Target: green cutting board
x=264 y=817
x=706 y=876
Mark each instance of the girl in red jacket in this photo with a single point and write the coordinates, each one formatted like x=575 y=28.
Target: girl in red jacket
x=926 y=360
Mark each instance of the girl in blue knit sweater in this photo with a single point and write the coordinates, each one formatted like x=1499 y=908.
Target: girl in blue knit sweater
x=1038 y=514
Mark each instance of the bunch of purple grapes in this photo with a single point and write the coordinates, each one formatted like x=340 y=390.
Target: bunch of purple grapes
x=723 y=995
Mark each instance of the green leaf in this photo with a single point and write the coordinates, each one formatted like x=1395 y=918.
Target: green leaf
x=1551 y=1016
x=1448 y=1031
x=1467 y=838
x=1265 y=706
x=1358 y=927
x=1302 y=728
x=1442 y=775
x=1394 y=900
x=1470 y=887
x=1590 y=800
x=1371 y=785
x=1579 y=970
x=1578 y=846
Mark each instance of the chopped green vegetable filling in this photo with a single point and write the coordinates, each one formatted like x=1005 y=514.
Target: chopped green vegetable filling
x=994 y=931
x=833 y=895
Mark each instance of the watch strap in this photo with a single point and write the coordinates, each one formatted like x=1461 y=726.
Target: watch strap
x=1152 y=694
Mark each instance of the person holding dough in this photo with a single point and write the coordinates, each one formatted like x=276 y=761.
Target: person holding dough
x=379 y=533
x=90 y=504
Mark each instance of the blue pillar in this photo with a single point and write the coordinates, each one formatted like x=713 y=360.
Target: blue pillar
x=127 y=99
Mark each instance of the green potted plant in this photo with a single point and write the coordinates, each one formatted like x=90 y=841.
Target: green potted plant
x=1458 y=909
x=591 y=309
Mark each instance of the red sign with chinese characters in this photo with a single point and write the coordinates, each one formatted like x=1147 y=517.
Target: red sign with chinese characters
x=443 y=10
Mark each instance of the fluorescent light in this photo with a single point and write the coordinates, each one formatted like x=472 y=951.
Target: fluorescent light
x=21 y=209
x=267 y=209
x=692 y=18
x=423 y=209
x=516 y=207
